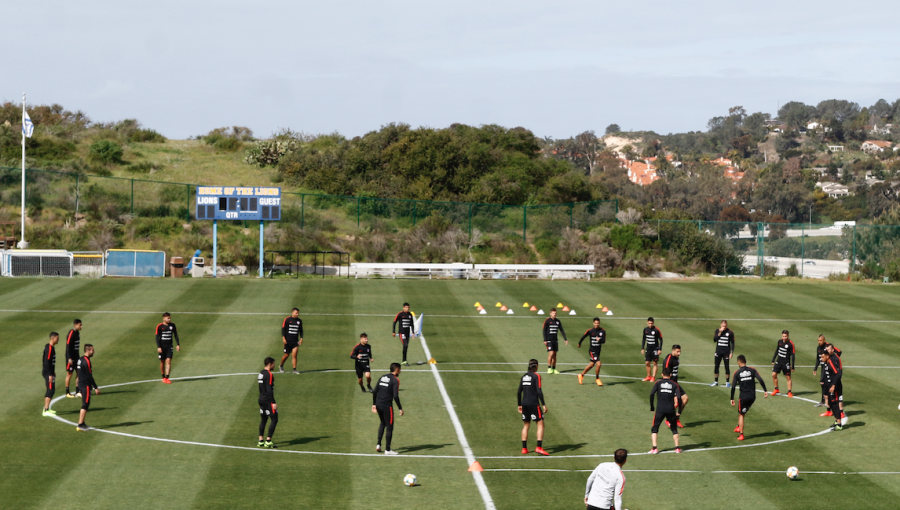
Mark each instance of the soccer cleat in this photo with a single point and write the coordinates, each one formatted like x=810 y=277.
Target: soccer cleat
x=82 y=427
x=69 y=395
x=260 y=444
x=78 y=394
x=390 y=452
x=837 y=426
x=281 y=369
x=653 y=450
x=667 y=423
x=549 y=370
x=713 y=385
x=377 y=447
x=677 y=450
x=269 y=444
x=580 y=379
x=363 y=389
x=371 y=390
x=844 y=419
x=679 y=424
x=741 y=437
x=167 y=380
x=728 y=385
x=405 y=363
x=540 y=451
x=820 y=404
x=776 y=392
x=48 y=412
x=738 y=429
x=294 y=371
x=599 y=382
x=826 y=413
x=790 y=394
x=524 y=451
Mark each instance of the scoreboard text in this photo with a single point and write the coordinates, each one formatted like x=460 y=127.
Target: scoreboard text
x=238 y=203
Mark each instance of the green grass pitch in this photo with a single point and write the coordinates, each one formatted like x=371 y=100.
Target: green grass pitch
x=234 y=323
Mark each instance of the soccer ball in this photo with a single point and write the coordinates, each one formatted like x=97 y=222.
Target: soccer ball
x=410 y=480
x=792 y=472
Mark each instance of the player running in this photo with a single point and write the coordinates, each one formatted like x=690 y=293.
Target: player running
x=73 y=339
x=669 y=393
x=598 y=338
x=552 y=328
x=724 y=339
x=362 y=355
x=671 y=362
x=387 y=391
x=85 y=383
x=746 y=378
x=531 y=406
x=49 y=373
x=407 y=326
x=651 y=348
x=267 y=406
x=783 y=361
x=165 y=333
x=291 y=338
x=834 y=371
x=606 y=484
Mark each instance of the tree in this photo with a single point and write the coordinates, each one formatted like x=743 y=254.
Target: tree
x=838 y=108
x=613 y=129
x=796 y=114
x=881 y=109
x=588 y=147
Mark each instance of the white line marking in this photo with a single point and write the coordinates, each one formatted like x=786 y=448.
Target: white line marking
x=705 y=472
x=581 y=364
x=467 y=450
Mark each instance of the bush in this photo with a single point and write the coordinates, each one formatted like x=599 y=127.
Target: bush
x=105 y=151
x=144 y=167
x=146 y=135
x=792 y=271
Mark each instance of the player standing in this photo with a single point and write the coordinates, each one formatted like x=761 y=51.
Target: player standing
x=783 y=361
x=746 y=378
x=165 y=333
x=671 y=362
x=552 y=329
x=666 y=410
x=362 y=355
x=724 y=339
x=387 y=391
x=832 y=351
x=267 y=406
x=407 y=325
x=73 y=340
x=651 y=348
x=833 y=374
x=598 y=338
x=49 y=373
x=531 y=406
x=606 y=484
x=85 y=383
x=292 y=338
x=820 y=349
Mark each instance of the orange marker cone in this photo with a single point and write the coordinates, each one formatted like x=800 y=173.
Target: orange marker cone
x=475 y=467
x=480 y=308
x=565 y=308
x=533 y=308
x=503 y=308
x=605 y=309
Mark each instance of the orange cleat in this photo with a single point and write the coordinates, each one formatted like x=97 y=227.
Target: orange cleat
x=791 y=395
x=741 y=437
x=599 y=382
x=167 y=381
x=540 y=451
x=738 y=429
x=827 y=413
x=580 y=379
x=524 y=451
x=776 y=392
x=680 y=425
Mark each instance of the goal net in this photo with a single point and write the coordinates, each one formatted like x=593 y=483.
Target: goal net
x=87 y=264
x=38 y=263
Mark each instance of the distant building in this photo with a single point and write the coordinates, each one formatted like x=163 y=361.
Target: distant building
x=834 y=189
x=730 y=170
x=642 y=173
x=875 y=146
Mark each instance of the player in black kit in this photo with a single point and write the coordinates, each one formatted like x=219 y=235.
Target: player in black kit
x=724 y=339
x=820 y=348
x=651 y=348
x=292 y=338
x=267 y=406
x=834 y=371
x=552 y=329
x=746 y=378
x=73 y=339
x=668 y=393
x=598 y=338
x=387 y=391
x=407 y=327
x=49 y=372
x=532 y=407
x=783 y=361
x=671 y=362
x=165 y=333
x=85 y=384
x=831 y=350
x=362 y=355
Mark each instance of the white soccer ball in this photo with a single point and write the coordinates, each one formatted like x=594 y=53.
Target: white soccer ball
x=410 y=480
x=792 y=472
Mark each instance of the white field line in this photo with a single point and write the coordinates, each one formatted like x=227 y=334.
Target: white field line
x=704 y=472
x=581 y=364
x=460 y=434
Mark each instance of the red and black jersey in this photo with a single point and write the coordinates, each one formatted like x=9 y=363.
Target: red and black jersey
x=598 y=338
x=667 y=391
x=266 y=387
x=785 y=353
x=165 y=333
x=406 y=321
x=724 y=342
x=73 y=343
x=672 y=362
x=651 y=339
x=834 y=369
x=85 y=374
x=362 y=353
x=292 y=329
x=386 y=390
x=745 y=377
x=552 y=329
x=49 y=361
x=530 y=392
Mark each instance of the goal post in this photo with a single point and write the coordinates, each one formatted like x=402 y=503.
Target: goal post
x=88 y=264
x=58 y=263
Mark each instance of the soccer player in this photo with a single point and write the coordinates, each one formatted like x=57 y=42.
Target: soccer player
x=783 y=361
x=267 y=406
x=49 y=373
x=407 y=325
x=165 y=333
x=671 y=362
x=746 y=378
x=651 y=348
x=820 y=348
x=606 y=484
x=598 y=338
x=833 y=373
x=552 y=329
x=832 y=350
x=668 y=393
x=531 y=406
x=73 y=340
x=724 y=339
x=85 y=383
x=387 y=391
x=362 y=355
x=292 y=338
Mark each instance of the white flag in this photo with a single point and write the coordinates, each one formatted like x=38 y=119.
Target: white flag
x=417 y=322
x=28 y=126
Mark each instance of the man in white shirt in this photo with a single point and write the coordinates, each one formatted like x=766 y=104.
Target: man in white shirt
x=606 y=484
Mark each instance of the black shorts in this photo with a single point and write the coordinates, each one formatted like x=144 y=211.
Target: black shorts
x=70 y=366
x=362 y=369
x=532 y=413
x=680 y=387
x=651 y=355
x=290 y=346
x=658 y=419
x=386 y=414
x=595 y=356
x=404 y=336
x=552 y=346
x=49 y=385
x=267 y=409
x=778 y=368
x=166 y=353
x=745 y=403
x=85 y=397
x=837 y=394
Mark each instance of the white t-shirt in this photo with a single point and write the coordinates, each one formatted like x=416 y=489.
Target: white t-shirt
x=605 y=486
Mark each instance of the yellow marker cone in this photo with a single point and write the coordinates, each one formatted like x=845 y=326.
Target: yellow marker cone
x=498 y=305
x=477 y=304
x=559 y=305
x=526 y=305
x=599 y=305
x=432 y=361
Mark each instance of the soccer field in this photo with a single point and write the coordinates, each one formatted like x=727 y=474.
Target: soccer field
x=192 y=444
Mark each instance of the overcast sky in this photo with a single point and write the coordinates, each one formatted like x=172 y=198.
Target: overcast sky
x=557 y=68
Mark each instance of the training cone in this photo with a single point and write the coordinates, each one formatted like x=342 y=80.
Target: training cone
x=565 y=309
x=605 y=309
x=559 y=305
x=482 y=312
x=599 y=305
x=480 y=308
x=475 y=467
x=509 y=312
x=477 y=304
x=503 y=308
x=498 y=305
x=526 y=305
x=609 y=312
x=572 y=313
x=432 y=361
x=540 y=312
x=533 y=308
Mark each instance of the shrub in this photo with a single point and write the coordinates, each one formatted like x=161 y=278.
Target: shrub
x=105 y=151
x=146 y=135
x=792 y=271
x=144 y=167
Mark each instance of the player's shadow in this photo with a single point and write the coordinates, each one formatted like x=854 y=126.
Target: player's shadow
x=800 y=393
x=303 y=440
x=855 y=424
x=619 y=383
x=194 y=379
x=772 y=433
x=92 y=410
x=566 y=447
x=698 y=423
x=852 y=402
x=695 y=446
x=126 y=424
x=854 y=413
x=422 y=447
x=117 y=391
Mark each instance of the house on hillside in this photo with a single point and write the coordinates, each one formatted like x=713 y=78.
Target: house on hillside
x=875 y=146
x=833 y=189
x=642 y=173
x=730 y=170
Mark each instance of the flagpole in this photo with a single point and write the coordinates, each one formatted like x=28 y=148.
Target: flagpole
x=22 y=243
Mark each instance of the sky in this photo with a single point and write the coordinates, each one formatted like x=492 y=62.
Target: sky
x=557 y=68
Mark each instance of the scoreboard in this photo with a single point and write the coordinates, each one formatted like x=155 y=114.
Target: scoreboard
x=238 y=203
